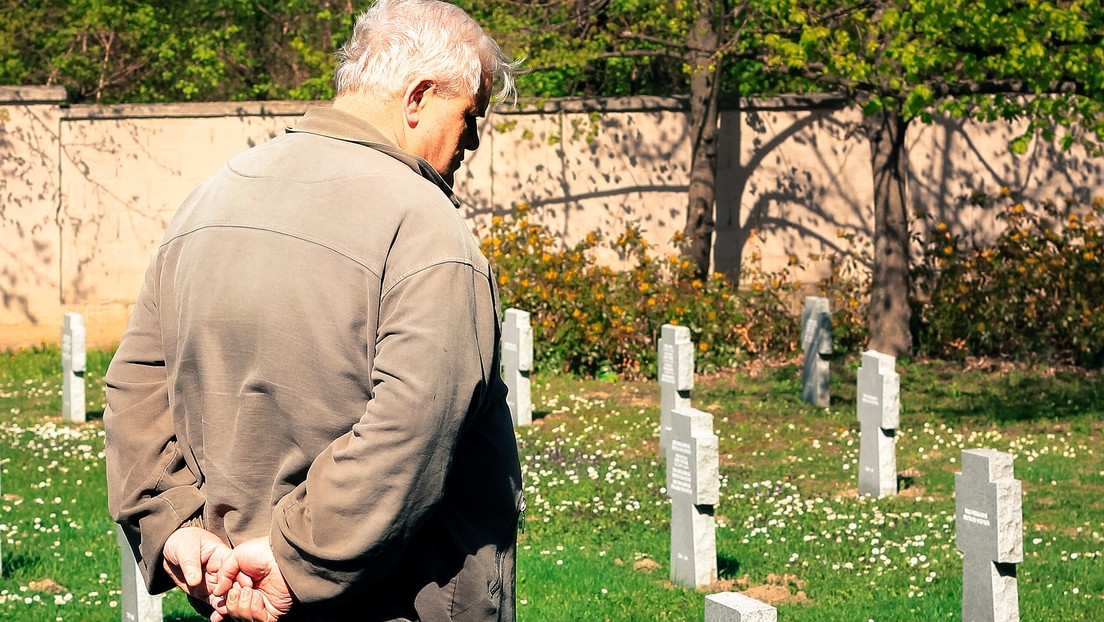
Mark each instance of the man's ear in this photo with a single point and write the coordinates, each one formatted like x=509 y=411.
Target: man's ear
x=414 y=100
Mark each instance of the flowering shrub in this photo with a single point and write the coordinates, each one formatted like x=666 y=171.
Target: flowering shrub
x=1038 y=291
x=592 y=320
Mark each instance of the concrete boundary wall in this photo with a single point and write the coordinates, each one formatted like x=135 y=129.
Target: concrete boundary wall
x=86 y=191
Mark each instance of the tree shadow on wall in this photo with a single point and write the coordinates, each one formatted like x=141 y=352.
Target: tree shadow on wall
x=801 y=177
x=26 y=210
x=587 y=165
x=960 y=163
x=785 y=174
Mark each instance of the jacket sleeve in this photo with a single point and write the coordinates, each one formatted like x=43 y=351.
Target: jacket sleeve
x=151 y=491
x=369 y=491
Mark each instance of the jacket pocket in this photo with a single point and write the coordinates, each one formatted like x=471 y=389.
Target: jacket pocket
x=476 y=588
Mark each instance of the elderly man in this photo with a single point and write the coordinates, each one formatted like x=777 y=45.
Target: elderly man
x=307 y=397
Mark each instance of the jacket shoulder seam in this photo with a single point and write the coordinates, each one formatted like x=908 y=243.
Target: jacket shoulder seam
x=466 y=261
x=304 y=238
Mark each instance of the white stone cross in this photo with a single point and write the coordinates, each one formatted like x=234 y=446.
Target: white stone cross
x=517 y=363
x=693 y=482
x=816 y=342
x=735 y=607
x=137 y=603
x=989 y=532
x=73 y=362
x=675 y=363
x=878 y=405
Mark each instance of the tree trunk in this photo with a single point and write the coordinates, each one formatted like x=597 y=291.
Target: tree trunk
x=890 y=314
x=703 y=42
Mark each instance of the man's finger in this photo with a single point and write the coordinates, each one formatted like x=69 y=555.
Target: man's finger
x=193 y=574
x=227 y=572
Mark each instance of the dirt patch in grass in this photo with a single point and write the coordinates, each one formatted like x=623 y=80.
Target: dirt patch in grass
x=628 y=393
x=786 y=588
x=913 y=492
x=47 y=585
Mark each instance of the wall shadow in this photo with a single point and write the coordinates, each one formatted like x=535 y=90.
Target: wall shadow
x=779 y=178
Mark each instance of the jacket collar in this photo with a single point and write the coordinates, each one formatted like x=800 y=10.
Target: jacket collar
x=341 y=125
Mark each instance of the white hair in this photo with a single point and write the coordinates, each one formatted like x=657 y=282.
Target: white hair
x=396 y=41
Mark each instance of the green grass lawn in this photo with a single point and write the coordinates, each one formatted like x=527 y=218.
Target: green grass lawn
x=596 y=539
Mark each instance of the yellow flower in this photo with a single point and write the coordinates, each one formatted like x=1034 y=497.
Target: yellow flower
x=942 y=226
x=503 y=279
x=1088 y=255
x=703 y=346
x=947 y=250
x=696 y=284
x=1018 y=208
x=496 y=220
x=644 y=287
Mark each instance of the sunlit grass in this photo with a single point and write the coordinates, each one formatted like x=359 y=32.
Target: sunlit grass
x=596 y=538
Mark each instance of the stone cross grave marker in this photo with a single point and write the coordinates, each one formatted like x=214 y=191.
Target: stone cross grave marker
x=693 y=482
x=73 y=362
x=137 y=603
x=816 y=342
x=878 y=405
x=517 y=361
x=989 y=532
x=676 y=377
x=736 y=607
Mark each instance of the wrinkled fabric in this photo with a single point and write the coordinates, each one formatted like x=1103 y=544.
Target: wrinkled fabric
x=314 y=356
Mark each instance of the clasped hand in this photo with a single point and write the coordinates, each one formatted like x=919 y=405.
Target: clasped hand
x=243 y=583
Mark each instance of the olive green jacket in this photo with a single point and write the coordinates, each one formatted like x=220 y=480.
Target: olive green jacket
x=314 y=356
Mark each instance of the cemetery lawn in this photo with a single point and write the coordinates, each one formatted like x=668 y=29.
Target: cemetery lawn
x=595 y=547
